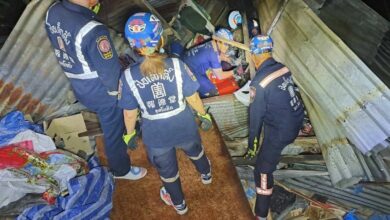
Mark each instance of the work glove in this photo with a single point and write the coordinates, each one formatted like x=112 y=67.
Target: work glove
x=252 y=150
x=131 y=140
x=205 y=121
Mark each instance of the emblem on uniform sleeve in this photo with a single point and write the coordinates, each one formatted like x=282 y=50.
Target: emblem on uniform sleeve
x=104 y=47
x=252 y=93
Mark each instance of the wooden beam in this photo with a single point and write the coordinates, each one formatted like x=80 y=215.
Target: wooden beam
x=312 y=159
x=232 y=43
x=245 y=32
x=163 y=21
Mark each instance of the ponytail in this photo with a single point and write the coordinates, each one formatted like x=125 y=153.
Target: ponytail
x=154 y=62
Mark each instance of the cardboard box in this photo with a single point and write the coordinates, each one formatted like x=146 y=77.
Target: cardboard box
x=67 y=129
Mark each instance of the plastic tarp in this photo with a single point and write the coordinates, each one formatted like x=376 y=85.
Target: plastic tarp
x=12 y=124
x=90 y=197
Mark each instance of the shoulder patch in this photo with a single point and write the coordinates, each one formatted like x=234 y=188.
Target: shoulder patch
x=252 y=93
x=104 y=47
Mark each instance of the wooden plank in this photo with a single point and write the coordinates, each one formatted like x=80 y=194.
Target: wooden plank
x=317 y=159
x=163 y=21
x=232 y=43
x=245 y=33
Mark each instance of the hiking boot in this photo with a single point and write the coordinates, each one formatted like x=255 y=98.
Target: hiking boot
x=135 y=173
x=181 y=209
x=206 y=178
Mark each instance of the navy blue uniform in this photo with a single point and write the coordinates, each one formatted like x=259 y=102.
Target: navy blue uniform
x=167 y=121
x=201 y=59
x=275 y=105
x=84 y=50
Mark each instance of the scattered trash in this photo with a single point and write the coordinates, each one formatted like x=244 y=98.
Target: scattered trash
x=89 y=196
x=67 y=129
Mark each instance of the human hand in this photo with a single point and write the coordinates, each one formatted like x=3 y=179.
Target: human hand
x=252 y=150
x=206 y=122
x=131 y=140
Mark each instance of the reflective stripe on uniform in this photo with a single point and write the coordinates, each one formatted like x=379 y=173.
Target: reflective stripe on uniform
x=145 y=114
x=267 y=80
x=265 y=192
x=198 y=157
x=87 y=73
x=91 y=75
x=170 y=180
x=262 y=190
x=47 y=12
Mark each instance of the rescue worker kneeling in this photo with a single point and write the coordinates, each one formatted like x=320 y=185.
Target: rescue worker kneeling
x=273 y=102
x=204 y=60
x=161 y=87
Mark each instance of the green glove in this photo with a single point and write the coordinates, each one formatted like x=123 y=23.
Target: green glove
x=131 y=140
x=252 y=151
x=206 y=122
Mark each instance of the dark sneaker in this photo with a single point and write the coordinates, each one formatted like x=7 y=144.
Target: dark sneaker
x=181 y=209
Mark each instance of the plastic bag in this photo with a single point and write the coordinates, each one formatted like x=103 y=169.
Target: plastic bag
x=13 y=123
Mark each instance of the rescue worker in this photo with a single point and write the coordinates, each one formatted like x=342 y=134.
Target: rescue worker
x=204 y=60
x=86 y=54
x=274 y=105
x=161 y=88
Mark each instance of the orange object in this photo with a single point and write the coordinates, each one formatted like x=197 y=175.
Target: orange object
x=224 y=86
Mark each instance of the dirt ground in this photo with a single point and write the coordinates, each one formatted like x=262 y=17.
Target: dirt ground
x=223 y=199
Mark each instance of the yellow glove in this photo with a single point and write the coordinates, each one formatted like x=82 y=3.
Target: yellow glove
x=131 y=140
x=252 y=150
x=206 y=122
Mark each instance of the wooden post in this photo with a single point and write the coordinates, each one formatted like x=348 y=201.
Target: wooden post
x=245 y=33
x=232 y=43
x=163 y=21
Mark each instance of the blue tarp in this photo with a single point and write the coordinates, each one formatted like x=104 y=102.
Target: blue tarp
x=352 y=216
x=13 y=123
x=90 y=197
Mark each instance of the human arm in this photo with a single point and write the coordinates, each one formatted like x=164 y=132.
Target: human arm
x=190 y=87
x=128 y=103
x=257 y=109
x=223 y=74
x=100 y=53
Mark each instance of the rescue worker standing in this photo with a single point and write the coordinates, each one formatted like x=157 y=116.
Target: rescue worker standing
x=204 y=60
x=274 y=104
x=161 y=87
x=85 y=52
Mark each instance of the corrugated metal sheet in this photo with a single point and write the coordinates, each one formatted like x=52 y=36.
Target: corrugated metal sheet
x=115 y=13
x=332 y=75
x=375 y=197
x=31 y=79
x=362 y=29
x=344 y=98
x=230 y=115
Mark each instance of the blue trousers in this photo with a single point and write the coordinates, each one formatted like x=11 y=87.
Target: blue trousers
x=113 y=126
x=165 y=161
x=275 y=139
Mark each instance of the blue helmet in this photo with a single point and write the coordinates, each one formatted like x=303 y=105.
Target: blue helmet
x=143 y=30
x=224 y=33
x=261 y=44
